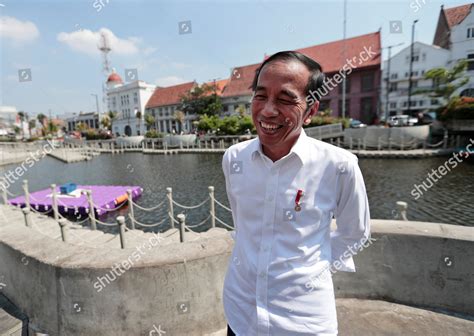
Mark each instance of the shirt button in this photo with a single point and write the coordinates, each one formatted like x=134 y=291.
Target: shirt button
x=270 y=198
x=262 y=274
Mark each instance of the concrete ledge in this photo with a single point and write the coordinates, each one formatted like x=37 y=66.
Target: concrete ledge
x=415 y=263
x=175 y=287
x=178 y=287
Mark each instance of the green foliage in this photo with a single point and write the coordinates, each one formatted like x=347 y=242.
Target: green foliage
x=153 y=134
x=446 y=81
x=149 y=120
x=325 y=118
x=457 y=108
x=93 y=134
x=201 y=99
x=231 y=125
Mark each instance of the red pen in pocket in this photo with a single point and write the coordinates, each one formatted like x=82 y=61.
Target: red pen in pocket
x=298 y=197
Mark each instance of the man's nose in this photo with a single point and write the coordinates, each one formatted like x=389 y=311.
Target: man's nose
x=269 y=110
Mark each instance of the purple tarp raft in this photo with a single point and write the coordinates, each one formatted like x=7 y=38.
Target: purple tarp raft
x=105 y=198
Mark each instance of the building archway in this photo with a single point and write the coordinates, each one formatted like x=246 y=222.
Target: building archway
x=128 y=130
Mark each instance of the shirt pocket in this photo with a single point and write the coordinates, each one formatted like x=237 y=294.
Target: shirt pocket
x=308 y=218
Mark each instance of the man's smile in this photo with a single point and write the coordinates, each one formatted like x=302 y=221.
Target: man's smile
x=270 y=128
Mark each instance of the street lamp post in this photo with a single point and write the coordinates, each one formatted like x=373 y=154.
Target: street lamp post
x=410 y=81
x=388 y=77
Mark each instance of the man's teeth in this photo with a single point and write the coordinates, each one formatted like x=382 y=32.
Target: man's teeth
x=269 y=126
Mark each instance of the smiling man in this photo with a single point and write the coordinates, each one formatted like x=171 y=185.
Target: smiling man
x=284 y=188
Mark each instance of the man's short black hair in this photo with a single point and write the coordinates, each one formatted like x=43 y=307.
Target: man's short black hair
x=316 y=78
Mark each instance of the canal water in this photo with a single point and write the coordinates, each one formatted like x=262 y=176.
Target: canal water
x=450 y=200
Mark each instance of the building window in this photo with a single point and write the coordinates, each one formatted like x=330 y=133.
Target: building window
x=423 y=57
x=393 y=87
x=416 y=58
x=470 y=32
x=406 y=74
x=421 y=103
x=366 y=110
x=324 y=104
x=135 y=98
x=394 y=76
x=393 y=105
x=405 y=104
x=414 y=84
x=348 y=86
x=470 y=62
x=367 y=82
x=225 y=108
x=434 y=101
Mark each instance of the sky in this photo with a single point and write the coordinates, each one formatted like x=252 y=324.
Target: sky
x=56 y=40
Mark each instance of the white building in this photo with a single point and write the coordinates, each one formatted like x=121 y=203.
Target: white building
x=425 y=57
x=90 y=119
x=455 y=33
x=128 y=101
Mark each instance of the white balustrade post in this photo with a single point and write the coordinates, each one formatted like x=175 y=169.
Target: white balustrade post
x=91 y=210
x=130 y=205
x=169 y=192
x=64 y=229
x=121 y=225
x=182 y=223
x=27 y=194
x=55 y=202
x=212 y=208
x=26 y=213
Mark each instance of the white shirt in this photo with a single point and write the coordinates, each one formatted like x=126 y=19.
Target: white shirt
x=274 y=283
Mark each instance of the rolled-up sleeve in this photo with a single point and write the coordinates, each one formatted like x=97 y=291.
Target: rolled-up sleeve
x=352 y=218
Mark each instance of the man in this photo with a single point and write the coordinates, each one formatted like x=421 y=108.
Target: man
x=284 y=188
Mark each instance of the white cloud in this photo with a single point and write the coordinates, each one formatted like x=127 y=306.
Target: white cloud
x=87 y=41
x=18 y=31
x=170 y=80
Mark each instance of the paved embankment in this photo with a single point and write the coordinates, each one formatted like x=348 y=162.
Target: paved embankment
x=69 y=155
x=77 y=289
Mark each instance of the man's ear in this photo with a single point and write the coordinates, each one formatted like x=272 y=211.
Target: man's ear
x=312 y=111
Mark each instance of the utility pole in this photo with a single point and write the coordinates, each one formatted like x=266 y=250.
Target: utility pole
x=410 y=81
x=388 y=77
x=344 y=59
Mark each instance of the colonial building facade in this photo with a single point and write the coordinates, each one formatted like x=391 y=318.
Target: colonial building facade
x=128 y=101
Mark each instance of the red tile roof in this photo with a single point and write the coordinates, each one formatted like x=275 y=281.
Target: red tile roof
x=221 y=84
x=456 y=15
x=240 y=81
x=170 y=95
x=329 y=55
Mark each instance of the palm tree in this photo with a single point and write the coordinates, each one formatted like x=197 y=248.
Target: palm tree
x=105 y=121
x=179 y=116
x=149 y=120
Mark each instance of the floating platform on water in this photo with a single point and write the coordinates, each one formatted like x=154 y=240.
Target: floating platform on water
x=105 y=199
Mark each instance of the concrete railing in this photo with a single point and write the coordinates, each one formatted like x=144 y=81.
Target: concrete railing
x=415 y=263
x=76 y=290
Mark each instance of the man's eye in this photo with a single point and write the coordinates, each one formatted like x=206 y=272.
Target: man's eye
x=259 y=97
x=286 y=102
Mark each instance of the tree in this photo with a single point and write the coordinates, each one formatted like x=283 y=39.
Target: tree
x=200 y=100
x=446 y=81
x=81 y=127
x=241 y=110
x=149 y=121
x=105 y=121
x=41 y=117
x=22 y=116
x=179 y=116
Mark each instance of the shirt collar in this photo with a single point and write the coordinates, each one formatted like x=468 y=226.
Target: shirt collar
x=300 y=148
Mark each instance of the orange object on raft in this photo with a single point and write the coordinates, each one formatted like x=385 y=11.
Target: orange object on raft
x=121 y=198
